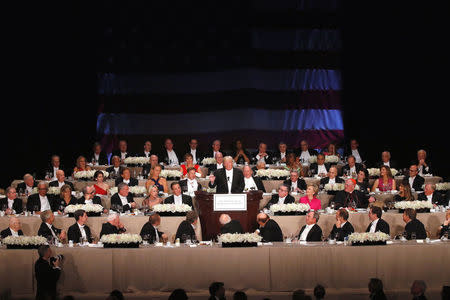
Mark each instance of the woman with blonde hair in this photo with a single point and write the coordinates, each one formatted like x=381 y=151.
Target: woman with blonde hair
x=155 y=179
x=386 y=181
x=152 y=199
x=311 y=197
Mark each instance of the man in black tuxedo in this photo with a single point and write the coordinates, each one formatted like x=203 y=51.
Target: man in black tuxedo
x=215 y=147
x=122 y=200
x=125 y=177
x=423 y=165
x=263 y=154
x=27 y=185
x=115 y=170
x=281 y=153
x=350 y=197
x=47 y=274
x=431 y=195
x=178 y=198
x=53 y=167
x=190 y=184
x=14 y=228
x=352 y=167
x=268 y=229
x=192 y=149
x=311 y=232
x=228 y=225
x=41 y=201
x=187 y=227
x=47 y=229
x=169 y=156
x=332 y=178
x=122 y=153
x=414 y=179
x=11 y=202
x=387 y=161
x=304 y=153
x=60 y=180
x=112 y=225
x=147 y=150
x=97 y=156
x=150 y=230
x=376 y=223
x=251 y=182
x=227 y=180
x=418 y=289
x=413 y=225
x=354 y=151
x=219 y=163
x=89 y=196
x=295 y=183
x=148 y=167
x=320 y=167
x=342 y=228
x=79 y=229
x=282 y=197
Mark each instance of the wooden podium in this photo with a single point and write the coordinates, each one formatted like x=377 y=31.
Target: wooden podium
x=210 y=218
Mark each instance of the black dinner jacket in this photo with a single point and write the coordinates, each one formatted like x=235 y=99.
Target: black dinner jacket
x=234 y=226
x=314 y=235
x=276 y=197
x=382 y=226
x=271 y=232
x=45 y=231
x=301 y=183
x=164 y=157
x=267 y=159
x=35 y=200
x=7 y=232
x=183 y=183
x=185 y=198
x=237 y=185
x=436 y=198
x=95 y=200
x=108 y=228
x=213 y=168
x=112 y=173
x=22 y=186
x=416 y=162
x=342 y=199
x=185 y=228
x=115 y=199
x=326 y=180
x=102 y=158
x=417 y=227
x=418 y=182
x=392 y=164
x=54 y=183
x=142 y=154
x=17 y=204
x=348 y=152
x=133 y=181
x=74 y=233
x=60 y=201
x=341 y=233
x=49 y=169
x=46 y=278
x=259 y=183
x=118 y=153
x=298 y=152
x=358 y=167
x=314 y=167
x=277 y=154
x=148 y=229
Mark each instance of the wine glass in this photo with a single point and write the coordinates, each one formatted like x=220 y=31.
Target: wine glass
x=183 y=237
x=413 y=235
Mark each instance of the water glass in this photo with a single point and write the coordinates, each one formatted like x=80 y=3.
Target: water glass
x=413 y=235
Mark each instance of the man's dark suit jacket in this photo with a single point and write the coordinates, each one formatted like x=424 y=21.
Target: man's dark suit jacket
x=133 y=181
x=314 y=168
x=112 y=173
x=46 y=277
x=301 y=183
x=102 y=158
x=7 y=232
x=108 y=228
x=74 y=233
x=267 y=159
x=149 y=230
x=185 y=198
x=259 y=183
x=276 y=197
x=237 y=185
x=23 y=186
x=348 y=152
x=185 y=228
x=35 y=200
x=418 y=182
x=277 y=154
x=416 y=162
x=184 y=187
x=45 y=231
x=164 y=157
x=341 y=233
x=232 y=227
x=119 y=154
x=392 y=164
x=17 y=204
x=417 y=227
x=326 y=180
x=314 y=235
x=358 y=167
x=298 y=152
x=342 y=199
x=436 y=198
x=212 y=168
x=95 y=200
x=382 y=226
x=271 y=232
x=115 y=200
x=54 y=183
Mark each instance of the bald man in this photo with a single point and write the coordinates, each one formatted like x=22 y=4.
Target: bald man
x=251 y=182
x=268 y=229
x=60 y=180
x=14 y=228
x=228 y=180
x=386 y=160
x=350 y=197
x=228 y=225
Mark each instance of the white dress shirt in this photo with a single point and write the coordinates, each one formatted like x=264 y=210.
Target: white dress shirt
x=214 y=153
x=147 y=154
x=332 y=180
x=51 y=230
x=355 y=153
x=28 y=189
x=281 y=200
x=305 y=156
x=60 y=184
x=54 y=172
x=123 y=155
x=282 y=155
x=342 y=225
x=249 y=183
x=194 y=154
x=305 y=232
x=156 y=234
x=411 y=181
x=192 y=185
x=387 y=164
x=294 y=185
x=321 y=169
x=374 y=225
x=96 y=157
x=83 y=232
x=177 y=200
x=14 y=233
x=353 y=170
x=430 y=198
x=116 y=170
x=86 y=201
x=10 y=203
x=127 y=181
x=123 y=199
x=172 y=157
x=229 y=178
x=45 y=205
x=219 y=166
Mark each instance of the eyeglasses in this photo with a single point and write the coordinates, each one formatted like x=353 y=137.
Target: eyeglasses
x=42 y=189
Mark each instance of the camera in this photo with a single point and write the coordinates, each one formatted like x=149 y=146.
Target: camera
x=59 y=257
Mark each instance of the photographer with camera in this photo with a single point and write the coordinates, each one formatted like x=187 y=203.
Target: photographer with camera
x=47 y=271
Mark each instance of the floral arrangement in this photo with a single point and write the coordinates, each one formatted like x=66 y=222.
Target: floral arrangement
x=121 y=239
x=172 y=208
x=272 y=173
x=373 y=172
x=88 y=174
x=24 y=240
x=170 y=174
x=443 y=186
x=335 y=187
x=312 y=159
x=239 y=238
x=136 y=160
x=208 y=161
x=94 y=208
x=137 y=190
x=34 y=191
x=290 y=207
x=378 y=236
x=113 y=190
x=2 y=196
x=53 y=190
x=331 y=159
x=413 y=204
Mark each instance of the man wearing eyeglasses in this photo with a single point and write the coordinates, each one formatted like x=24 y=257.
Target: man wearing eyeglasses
x=41 y=202
x=414 y=179
x=89 y=196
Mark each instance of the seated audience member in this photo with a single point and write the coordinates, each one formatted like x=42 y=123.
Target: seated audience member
x=282 y=197
x=319 y=292
x=260 y=165
x=178 y=198
x=331 y=150
x=281 y=154
x=101 y=187
x=262 y=154
x=445 y=228
x=228 y=225
x=352 y=167
x=298 y=295
x=295 y=183
x=227 y=180
x=215 y=147
x=189 y=163
x=219 y=163
x=413 y=225
x=125 y=177
x=387 y=161
x=431 y=195
x=292 y=164
x=147 y=150
x=47 y=229
x=332 y=177
x=320 y=167
x=153 y=198
x=342 y=228
x=355 y=151
x=350 y=197
x=362 y=181
x=190 y=184
x=26 y=187
x=414 y=179
x=386 y=181
x=41 y=201
x=79 y=229
x=217 y=291
x=311 y=232
x=240 y=155
x=304 y=153
x=178 y=294
x=115 y=170
x=197 y=156
x=418 y=289
x=156 y=179
x=404 y=192
x=122 y=153
x=423 y=165
x=122 y=200
x=60 y=180
x=11 y=203
x=268 y=229
x=187 y=227
x=112 y=225
x=14 y=229
x=311 y=197
x=89 y=196
x=251 y=182
x=116 y=295
x=168 y=155
x=376 y=289
x=150 y=230
x=146 y=169
x=239 y=295
x=376 y=223
x=81 y=165
x=53 y=167
x=65 y=198
x=97 y=157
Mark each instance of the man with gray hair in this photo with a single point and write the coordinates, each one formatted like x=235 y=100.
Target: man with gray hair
x=282 y=197
x=89 y=196
x=219 y=163
x=115 y=170
x=11 y=202
x=295 y=183
x=418 y=290
x=386 y=160
x=14 y=228
x=251 y=182
x=123 y=199
x=41 y=201
x=216 y=144
x=227 y=180
x=27 y=185
x=112 y=225
x=228 y=225
x=432 y=196
x=187 y=227
x=422 y=163
x=60 y=180
x=311 y=232
x=47 y=229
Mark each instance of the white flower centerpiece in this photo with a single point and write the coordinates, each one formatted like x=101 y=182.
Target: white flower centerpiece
x=419 y=206
x=239 y=239
x=137 y=190
x=171 y=174
x=208 y=161
x=24 y=242
x=125 y=240
x=444 y=186
x=334 y=187
x=88 y=175
x=171 y=209
x=134 y=161
x=273 y=174
x=368 y=238
x=331 y=159
x=92 y=210
x=290 y=209
x=375 y=172
x=53 y=190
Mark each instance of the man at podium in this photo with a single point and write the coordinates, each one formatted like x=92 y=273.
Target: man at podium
x=227 y=180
